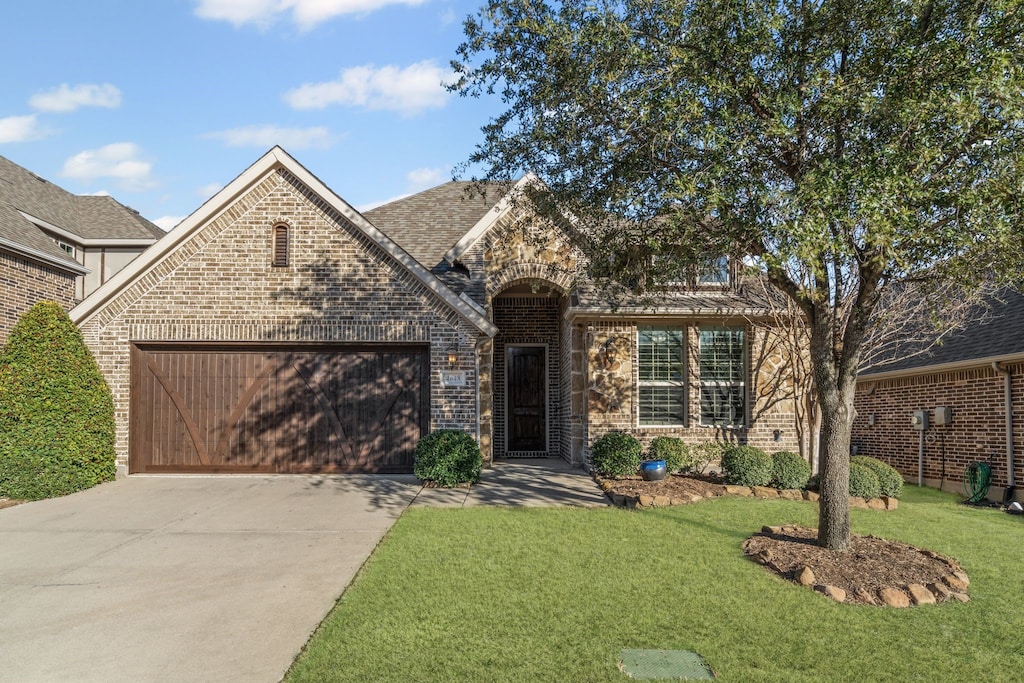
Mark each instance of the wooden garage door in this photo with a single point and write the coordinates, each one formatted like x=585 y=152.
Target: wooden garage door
x=264 y=409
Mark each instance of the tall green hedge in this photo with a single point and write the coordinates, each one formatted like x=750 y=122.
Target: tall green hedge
x=56 y=411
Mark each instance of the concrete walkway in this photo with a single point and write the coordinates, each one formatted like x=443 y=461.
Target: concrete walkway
x=219 y=578
x=533 y=482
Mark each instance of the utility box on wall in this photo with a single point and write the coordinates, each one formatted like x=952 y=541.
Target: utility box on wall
x=943 y=416
x=919 y=419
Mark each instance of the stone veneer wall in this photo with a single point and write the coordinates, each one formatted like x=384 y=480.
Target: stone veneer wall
x=24 y=282
x=611 y=353
x=340 y=287
x=976 y=399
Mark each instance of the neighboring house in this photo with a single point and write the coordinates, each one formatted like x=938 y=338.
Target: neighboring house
x=59 y=246
x=278 y=329
x=978 y=374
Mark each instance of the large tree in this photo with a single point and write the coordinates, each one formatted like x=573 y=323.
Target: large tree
x=843 y=147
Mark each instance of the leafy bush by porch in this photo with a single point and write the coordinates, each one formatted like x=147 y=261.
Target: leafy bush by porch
x=56 y=411
x=890 y=481
x=863 y=481
x=672 y=450
x=789 y=470
x=448 y=457
x=747 y=466
x=616 y=454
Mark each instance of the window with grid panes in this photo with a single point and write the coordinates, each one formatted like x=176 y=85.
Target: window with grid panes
x=662 y=389
x=723 y=388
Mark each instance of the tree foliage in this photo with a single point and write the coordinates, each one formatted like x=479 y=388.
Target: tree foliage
x=840 y=147
x=56 y=411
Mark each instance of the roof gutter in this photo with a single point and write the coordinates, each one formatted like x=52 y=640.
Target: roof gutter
x=70 y=266
x=1008 y=400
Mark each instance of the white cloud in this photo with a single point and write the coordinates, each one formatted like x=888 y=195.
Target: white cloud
x=21 y=129
x=306 y=14
x=423 y=178
x=408 y=91
x=165 y=223
x=208 y=190
x=98 y=193
x=65 y=98
x=268 y=136
x=119 y=161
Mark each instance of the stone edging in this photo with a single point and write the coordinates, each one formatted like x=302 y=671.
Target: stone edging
x=648 y=501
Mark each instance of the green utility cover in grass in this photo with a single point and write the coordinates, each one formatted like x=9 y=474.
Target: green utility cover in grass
x=646 y=665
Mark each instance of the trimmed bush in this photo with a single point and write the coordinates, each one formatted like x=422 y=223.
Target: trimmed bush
x=863 y=482
x=889 y=480
x=448 y=457
x=747 y=466
x=706 y=453
x=616 y=454
x=56 y=411
x=673 y=451
x=789 y=471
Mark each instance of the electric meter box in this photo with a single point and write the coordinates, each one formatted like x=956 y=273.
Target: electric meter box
x=943 y=416
x=919 y=419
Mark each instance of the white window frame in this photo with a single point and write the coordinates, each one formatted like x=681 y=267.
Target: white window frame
x=681 y=384
x=741 y=383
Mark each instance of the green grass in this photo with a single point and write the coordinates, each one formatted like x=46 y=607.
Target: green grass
x=492 y=594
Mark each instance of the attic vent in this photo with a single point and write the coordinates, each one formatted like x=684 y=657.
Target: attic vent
x=280 y=246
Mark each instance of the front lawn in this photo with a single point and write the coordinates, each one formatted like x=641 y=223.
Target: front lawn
x=497 y=594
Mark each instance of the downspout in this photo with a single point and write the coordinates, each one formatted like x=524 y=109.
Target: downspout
x=1011 y=483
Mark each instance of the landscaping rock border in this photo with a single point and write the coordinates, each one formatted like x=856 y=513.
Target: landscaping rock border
x=644 y=500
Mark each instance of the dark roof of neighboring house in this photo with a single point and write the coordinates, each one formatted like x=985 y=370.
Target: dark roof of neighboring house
x=429 y=223
x=997 y=330
x=88 y=217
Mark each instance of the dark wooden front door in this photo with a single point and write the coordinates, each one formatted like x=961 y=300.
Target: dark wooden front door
x=203 y=408
x=527 y=405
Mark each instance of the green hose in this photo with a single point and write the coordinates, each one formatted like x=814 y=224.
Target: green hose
x=977 y=480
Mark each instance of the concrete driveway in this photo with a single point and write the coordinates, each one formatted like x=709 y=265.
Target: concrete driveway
x=183 y=578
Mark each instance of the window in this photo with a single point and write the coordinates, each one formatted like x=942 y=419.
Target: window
x=723 y=390
x=280 y=259
x=68 y=249
x=715 y=272
x=661 y=386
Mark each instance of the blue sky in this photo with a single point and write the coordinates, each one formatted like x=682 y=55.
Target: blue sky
x=160 y=103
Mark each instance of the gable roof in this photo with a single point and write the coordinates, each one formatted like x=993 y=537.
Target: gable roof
x=995 y=332
x=427 y=224
x=222 y=201
x=29 y=204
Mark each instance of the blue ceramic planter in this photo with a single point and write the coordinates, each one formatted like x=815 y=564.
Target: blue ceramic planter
x=653 y=470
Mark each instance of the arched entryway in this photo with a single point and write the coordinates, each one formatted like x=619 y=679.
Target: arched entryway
x=531 y=372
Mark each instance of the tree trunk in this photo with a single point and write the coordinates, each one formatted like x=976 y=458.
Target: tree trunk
x=834 y=477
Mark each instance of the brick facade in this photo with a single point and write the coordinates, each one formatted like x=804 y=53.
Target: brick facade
x=976 y=396
x=24 y=282
x=340 y=287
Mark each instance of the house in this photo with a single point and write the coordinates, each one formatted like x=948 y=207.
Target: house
x=931 y=415
x=59 y=246
x=278 y=329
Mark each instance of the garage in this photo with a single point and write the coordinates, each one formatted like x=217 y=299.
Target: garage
x=271 y=408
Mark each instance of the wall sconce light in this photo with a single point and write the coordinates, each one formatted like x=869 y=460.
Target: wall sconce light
x=777 y=435
x=453 y=356
x=609 y=350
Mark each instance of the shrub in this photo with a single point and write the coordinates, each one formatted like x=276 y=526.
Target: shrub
x=447 y=457
x=56 y=411
x=616 y=454
x=789 y=470
x=863 y=482
x=747 y=466
x=673 y=451
x=706 y=453
x=889 y=480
